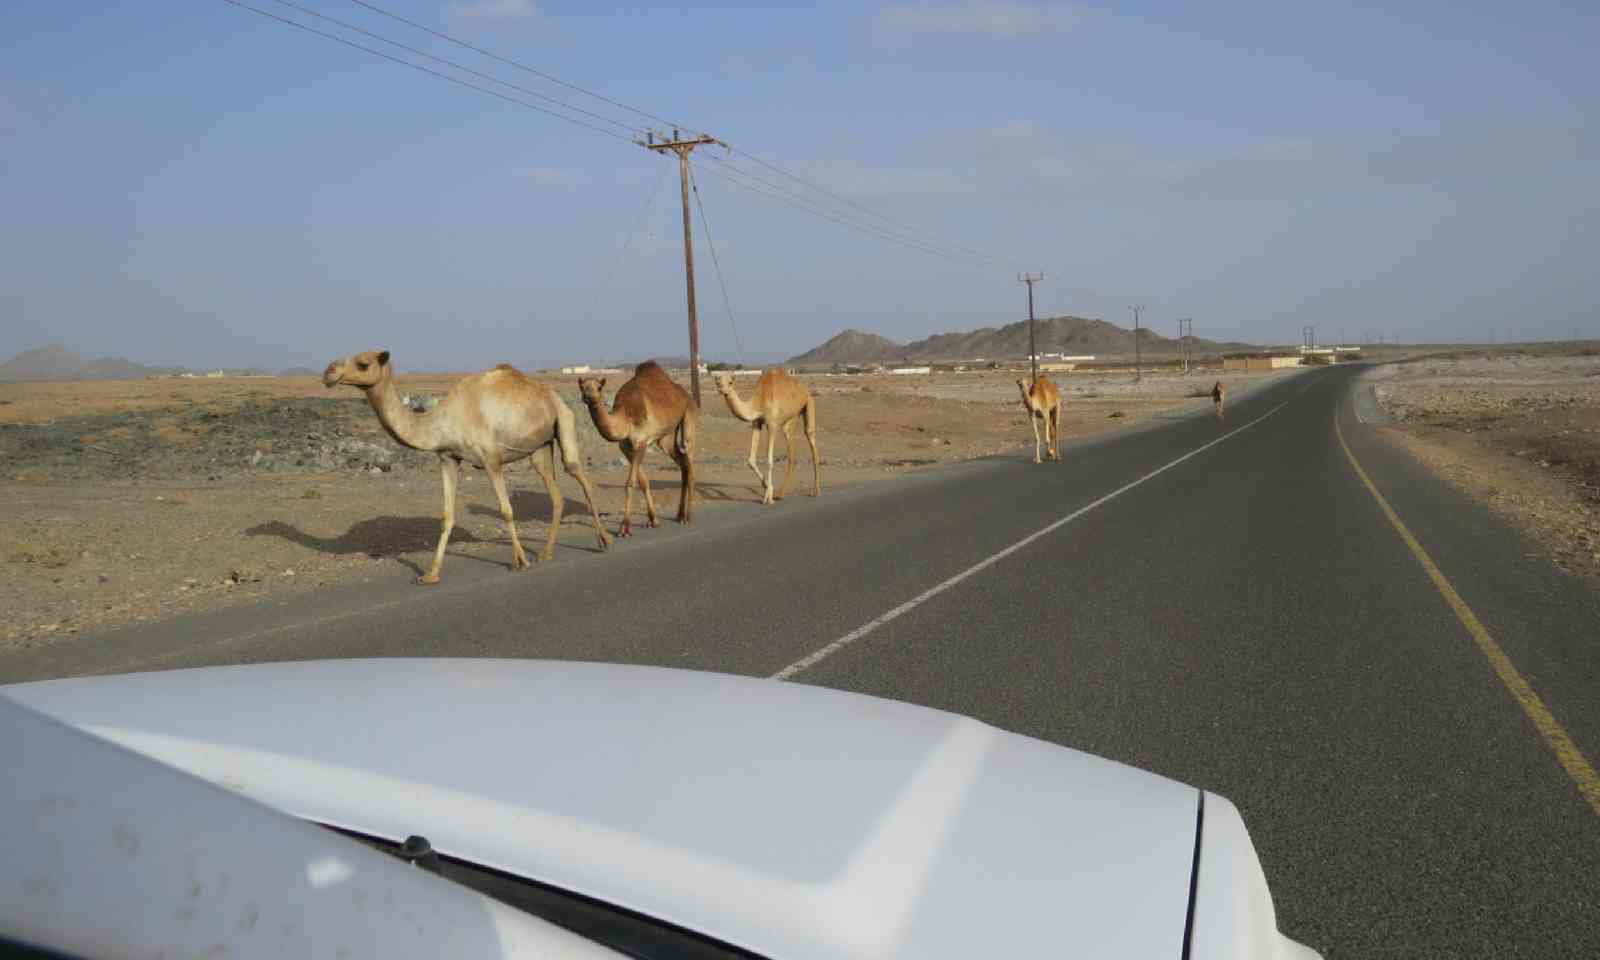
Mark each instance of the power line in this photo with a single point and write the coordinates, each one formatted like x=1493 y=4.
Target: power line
x=895 y=232
x=644 y=113
x=844 y=218
x=952 y=251
x=714 y=262
x=462 y=67
x=847 y=201
x=644 y=217
x=852 y=225
x=417 y=66
x=513 y=63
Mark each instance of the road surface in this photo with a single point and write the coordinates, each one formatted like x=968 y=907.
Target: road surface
x=1225 y=603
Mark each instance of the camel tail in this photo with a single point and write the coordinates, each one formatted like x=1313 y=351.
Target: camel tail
x=810 y=413
x=567 y=435
x=683 y=437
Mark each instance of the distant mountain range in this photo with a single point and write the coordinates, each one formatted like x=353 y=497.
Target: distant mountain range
x=1070 y=335
x=56 y=362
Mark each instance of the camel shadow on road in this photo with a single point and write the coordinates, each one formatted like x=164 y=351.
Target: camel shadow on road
x=378 y=537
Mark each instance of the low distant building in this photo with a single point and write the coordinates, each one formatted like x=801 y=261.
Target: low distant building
x=577 y=368
x=909 y=371
x=1058 y=367
x=1259 y=363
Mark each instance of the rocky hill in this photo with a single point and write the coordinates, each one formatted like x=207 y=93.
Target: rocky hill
x=56 y=362
x=1071 y=335
x=853 y=346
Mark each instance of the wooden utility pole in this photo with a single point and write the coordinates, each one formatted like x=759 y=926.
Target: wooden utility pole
x=1138 y=353
x=683 y=146
x=1033 y=346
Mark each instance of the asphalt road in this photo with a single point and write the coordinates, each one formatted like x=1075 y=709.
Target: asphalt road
x=1245 y=619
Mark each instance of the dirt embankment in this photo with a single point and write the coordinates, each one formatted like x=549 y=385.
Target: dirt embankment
x=1518 y=430
x=134 y=500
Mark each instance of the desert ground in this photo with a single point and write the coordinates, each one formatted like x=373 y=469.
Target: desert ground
x=134 y=500
x=1518 y=428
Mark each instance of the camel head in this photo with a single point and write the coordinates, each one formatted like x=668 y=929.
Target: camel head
x=724 y=384
x=357 y=370
x=1023 y=386
x=592 y=390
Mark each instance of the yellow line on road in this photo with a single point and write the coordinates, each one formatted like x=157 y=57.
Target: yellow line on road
x=1566 y=751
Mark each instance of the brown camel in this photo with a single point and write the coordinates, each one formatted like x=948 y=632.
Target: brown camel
x=1219 y=395
x=489 y=419
x=1043 y=402
x=648 y=409
x=779 y=401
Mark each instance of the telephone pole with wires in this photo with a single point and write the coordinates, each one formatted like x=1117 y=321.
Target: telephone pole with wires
x=683 y=146
x=1138 y=354
x=1033 y=346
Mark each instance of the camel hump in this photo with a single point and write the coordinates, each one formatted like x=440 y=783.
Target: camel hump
x=649 y=366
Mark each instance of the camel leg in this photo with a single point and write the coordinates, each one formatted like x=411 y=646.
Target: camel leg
x=755 y=441
x=772 y=440
x=544 y=462
x=652 y=518
x=497 y=479
x=1033 y=422
x=1055 y=433
x=683 y=452
x=449 y=472
x=811 y=438
x=626 y=529
x=788 y=472
x=567 y=436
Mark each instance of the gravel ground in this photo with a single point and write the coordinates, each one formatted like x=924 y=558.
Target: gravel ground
x=133 y=500
x=1519 y=431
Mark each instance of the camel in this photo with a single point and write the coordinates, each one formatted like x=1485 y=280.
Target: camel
x=778 y=402
x=1043 y=402
x=650 y=408
x=489 y=419
x=1219 y=394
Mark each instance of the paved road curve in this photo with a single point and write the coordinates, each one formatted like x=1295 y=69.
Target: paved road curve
x=1245 y=618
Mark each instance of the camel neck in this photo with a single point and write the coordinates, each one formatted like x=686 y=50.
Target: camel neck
x=610 y=426
x=740 y=407
x=408 y=428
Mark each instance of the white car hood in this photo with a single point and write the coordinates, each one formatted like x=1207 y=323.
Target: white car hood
x=790 y=820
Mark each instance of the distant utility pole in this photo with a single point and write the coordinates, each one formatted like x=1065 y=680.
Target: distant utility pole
x=1308 y=335
x=683 y=146
x=1033 y=349
x=1138 y=356
x=1185 y=334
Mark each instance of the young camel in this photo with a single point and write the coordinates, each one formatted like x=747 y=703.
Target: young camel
x=778 y=402
x=489 y=419
x=648 y=409
x=1043 y=402
x=1219 y=394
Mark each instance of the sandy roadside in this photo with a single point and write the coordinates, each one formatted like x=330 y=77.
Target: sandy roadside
x=132 y=501
x=1518 y=430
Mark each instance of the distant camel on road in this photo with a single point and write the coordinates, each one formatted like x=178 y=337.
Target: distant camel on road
x=1043 y=402
x=1219 y=395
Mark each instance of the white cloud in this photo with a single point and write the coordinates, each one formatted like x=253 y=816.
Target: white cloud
x=485 y=13
x=999 y=19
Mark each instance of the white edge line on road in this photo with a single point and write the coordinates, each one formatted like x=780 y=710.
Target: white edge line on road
x=817 y=656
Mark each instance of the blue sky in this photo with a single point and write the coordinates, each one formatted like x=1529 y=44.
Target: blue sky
x=189 y=182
